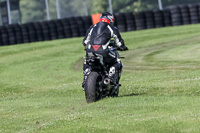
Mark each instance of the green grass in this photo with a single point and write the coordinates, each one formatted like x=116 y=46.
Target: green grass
x=40 y=86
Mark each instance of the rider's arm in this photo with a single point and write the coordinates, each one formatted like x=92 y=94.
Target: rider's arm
x=87 y=36
x=116 y=35
x=118 y=39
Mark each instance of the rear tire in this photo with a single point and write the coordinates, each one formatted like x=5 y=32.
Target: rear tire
x=91 y=86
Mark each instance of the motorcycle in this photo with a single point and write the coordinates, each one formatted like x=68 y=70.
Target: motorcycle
x=98 y=85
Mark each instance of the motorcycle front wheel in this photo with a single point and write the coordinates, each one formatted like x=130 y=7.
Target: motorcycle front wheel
x=115 y=90
x=91 y=87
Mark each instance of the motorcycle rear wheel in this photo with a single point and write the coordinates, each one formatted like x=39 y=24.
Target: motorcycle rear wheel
x=91 y=87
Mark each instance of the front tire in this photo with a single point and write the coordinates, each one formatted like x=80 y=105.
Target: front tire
x=91 y=86
x=116 y=92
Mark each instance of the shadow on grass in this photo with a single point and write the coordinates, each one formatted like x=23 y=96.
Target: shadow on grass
x=132 y=94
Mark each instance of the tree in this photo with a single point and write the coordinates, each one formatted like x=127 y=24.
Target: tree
x=98 y=6
x=34 y=10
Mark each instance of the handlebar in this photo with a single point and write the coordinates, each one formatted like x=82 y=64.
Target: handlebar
x=118 y=48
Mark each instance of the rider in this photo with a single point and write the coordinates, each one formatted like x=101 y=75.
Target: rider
x=97 y=40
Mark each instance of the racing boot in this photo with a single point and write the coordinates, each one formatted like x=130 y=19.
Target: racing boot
x=85 y=74
x=111 y=75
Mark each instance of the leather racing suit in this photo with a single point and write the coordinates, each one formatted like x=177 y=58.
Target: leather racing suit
x=97 y=40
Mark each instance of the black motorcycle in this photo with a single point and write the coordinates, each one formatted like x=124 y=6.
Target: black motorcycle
x=98 y=84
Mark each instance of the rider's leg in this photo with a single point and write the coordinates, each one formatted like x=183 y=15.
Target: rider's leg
x=115 y=68
x=120 y=69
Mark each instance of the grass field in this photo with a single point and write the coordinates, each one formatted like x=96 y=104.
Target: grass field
x=40 y=86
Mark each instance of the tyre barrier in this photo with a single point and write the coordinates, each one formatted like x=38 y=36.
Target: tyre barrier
x=25 y=34
x=149 y=16
x=1 y=44
x=194 y=16
x=45 y=30
x=78 y=26
x=31 y=32
x=18 y=33
x=67 y=28
x=60 y=29
x=39 y=32
x=52 y=30
x=130 y=21
x=175 y=15
x=167 y=17
x=159 y=19
x=74 y=27
x=140 y=21
x=81 y=26
x=87 y=21
x=11 y=34
x=199 y=10
x=120 y=22
x=4 y=36
x=185 y=14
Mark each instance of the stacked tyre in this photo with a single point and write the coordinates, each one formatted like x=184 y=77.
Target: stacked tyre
x=45 y=30
x=149 y=17
x=39 y=32
x=60 y=29
x=66 y=27
x=159 y=19
x=198 y=10
x=4 y=36
x=130 y=21
x=185 y=14
x=52 y=30
x=167 y=17
x=120 y=22
x=81 y=25
x=87 y=21
x=18 y=33
x=1 y=44
x=74 y=27
x=25 y=33
x=175 y=15
x=140 y=21
x=31 y=32
x=194 y=16
x=11 y=34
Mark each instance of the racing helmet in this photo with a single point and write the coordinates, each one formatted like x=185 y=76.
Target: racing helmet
x=107 y=17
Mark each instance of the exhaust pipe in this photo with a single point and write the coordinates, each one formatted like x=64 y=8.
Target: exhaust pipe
x=106 y=81
x=107 y=84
